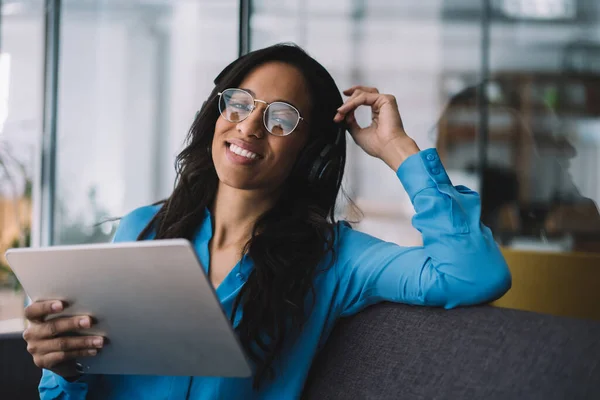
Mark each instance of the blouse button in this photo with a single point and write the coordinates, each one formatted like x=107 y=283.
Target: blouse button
x=431 y=157
x=240 y=276
x=435 y=171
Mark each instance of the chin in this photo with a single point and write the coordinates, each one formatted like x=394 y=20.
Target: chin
x=240 y=184
x=238 y=180
x=242 y=181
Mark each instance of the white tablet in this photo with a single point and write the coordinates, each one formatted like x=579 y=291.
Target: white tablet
x=151 y=299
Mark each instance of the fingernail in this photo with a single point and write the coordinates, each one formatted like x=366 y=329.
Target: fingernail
x=84 y=322
x=57 y=306
x=92 y=352
x=98 y=342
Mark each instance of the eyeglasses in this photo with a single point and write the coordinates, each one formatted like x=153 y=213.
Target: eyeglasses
x=280 y=119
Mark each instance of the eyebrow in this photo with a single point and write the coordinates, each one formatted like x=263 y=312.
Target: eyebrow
x=274 y=101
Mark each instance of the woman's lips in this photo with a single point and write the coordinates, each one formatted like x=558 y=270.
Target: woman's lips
x=241 y=156
x=249 y=147
x=240 y=151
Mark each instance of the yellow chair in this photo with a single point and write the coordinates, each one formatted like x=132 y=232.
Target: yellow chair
x=566 y=284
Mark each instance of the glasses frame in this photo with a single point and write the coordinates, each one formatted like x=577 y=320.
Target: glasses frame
x=300 y=118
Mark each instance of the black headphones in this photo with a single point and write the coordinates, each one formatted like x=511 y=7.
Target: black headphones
x=327 y=161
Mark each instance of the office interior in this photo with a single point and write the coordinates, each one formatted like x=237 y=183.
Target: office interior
x=96 y=97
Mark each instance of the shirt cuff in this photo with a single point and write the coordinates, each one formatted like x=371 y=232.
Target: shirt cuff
x=56 y=384
x=421 y=171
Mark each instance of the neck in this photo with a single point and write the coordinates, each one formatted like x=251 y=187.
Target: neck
x=235 y=212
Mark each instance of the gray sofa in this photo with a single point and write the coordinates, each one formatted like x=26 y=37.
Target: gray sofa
x=392 y=351
x=18 y=374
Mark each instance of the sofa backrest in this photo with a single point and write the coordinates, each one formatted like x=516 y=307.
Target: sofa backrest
x=392 y=351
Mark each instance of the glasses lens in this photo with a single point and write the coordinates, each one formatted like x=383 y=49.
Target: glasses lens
x=235 y=105
x=281 y=119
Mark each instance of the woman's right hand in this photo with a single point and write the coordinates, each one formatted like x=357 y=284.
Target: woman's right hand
x=47 y=343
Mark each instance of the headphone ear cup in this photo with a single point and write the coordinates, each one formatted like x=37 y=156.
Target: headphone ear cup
x=326 y=161
x=319 y=166
x=327 y=169
x=314 y=172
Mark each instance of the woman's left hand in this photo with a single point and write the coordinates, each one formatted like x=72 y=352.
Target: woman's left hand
x=385 y=138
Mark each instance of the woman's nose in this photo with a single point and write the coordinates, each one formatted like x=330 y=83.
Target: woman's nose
x=253 y=125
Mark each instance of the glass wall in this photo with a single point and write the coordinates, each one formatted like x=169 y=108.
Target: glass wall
x=400 y=47
x=21 y=111
x=132 y=75
x=506 y=90
x=540 y=184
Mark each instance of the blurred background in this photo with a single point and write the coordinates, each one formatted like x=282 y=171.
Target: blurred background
x=96 y=97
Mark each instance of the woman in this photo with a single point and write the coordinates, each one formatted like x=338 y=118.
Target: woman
x=256 y=192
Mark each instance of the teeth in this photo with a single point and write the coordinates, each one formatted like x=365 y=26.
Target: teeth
x=242 y=152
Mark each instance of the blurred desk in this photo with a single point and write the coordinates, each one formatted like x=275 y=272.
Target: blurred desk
x=565 y=284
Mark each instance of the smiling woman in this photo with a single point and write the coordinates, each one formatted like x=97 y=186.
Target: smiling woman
x=270 y=160
x=256 y=194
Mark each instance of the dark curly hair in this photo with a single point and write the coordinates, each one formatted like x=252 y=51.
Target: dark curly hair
x=290 y=240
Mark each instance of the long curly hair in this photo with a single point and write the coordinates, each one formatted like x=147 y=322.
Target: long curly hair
x=290 y=240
